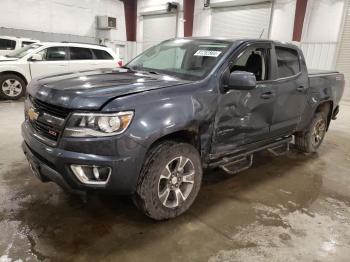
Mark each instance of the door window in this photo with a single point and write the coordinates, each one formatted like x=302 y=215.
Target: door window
x=79 y=53
x=287 y=62
x=102 y=55
x=54 y=53
x=7 y=44
x=253 y=60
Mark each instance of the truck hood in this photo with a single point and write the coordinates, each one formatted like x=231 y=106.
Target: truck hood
x=90 y=90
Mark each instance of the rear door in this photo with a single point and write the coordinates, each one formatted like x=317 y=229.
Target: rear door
x=292 y=85
x=245 y=116
x=54 y=62
x=81 y=59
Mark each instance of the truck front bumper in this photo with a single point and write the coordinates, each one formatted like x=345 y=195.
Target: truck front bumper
x=54 y=164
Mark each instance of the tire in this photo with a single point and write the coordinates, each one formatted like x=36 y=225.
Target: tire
x=311 y=139
x=152 y=196
x=12 y=87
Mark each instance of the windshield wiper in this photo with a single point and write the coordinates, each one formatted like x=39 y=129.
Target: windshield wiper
x=140 y=69
x=153 y=72
x=125 y=67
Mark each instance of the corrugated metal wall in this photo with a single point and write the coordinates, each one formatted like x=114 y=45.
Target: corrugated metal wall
x=319 y=55
x=248 y=21
x=343 y=59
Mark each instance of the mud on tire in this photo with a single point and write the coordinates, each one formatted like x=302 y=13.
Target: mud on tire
x=160 y=174
x=311 y=139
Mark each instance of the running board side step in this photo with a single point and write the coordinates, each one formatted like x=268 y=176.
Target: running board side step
x=279 y=150
x=238 y=165
x=243 y=161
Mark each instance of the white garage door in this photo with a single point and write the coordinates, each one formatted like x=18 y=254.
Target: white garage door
x=248 y=21
x=157 y=28
x=343 y=61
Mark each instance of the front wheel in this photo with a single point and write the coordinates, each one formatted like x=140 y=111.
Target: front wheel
x=169 y=181
x=310 y=140
x=12 y=87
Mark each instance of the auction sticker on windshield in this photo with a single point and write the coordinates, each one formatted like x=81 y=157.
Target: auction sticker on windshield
x=207 y=53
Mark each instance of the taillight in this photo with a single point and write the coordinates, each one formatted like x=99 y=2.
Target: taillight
x=120 y=63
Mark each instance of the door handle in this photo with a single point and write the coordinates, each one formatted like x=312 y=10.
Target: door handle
x=301 y=88
x=267 y=95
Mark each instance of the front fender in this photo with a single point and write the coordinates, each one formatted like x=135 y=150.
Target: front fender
x=17 y=69
x=163 y=118
x=162 y=112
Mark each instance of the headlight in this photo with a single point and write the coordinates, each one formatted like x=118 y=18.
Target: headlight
x=97 y=124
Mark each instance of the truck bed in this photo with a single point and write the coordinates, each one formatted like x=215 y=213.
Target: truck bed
x=318 y=72
x=326 y=84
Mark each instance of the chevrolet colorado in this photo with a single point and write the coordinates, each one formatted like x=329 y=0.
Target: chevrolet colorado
x=149 y=128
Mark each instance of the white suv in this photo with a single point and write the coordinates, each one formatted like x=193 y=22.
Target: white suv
x=10 y=43
x=18 y=68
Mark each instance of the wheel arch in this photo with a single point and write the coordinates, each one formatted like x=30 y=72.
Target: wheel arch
x=186 y=136
x=326 y=107
x=15 y=73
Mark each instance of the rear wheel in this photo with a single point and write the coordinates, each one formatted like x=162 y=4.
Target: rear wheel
x=169 y=181
x=12 y=87
x=311 y=139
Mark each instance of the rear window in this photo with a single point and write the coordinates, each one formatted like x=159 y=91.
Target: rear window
x=7 y=44
x=101 y=54
x=25 y=43
x=287 y=62
x=79 y=53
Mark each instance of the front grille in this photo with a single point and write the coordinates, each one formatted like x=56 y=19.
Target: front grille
x=50 y=121
x=45 y=130
x=51 y=109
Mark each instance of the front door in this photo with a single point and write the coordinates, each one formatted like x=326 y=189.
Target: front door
x=292 y=86
x=54 y=62
x=245 y=116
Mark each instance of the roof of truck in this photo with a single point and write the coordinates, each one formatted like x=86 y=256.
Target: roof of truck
x=232 y=40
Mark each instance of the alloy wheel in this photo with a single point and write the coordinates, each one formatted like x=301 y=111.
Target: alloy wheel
x=318 y=132
x=11 y=87
x=176 y=182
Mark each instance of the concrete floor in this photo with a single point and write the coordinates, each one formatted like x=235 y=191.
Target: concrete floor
x=289 y=208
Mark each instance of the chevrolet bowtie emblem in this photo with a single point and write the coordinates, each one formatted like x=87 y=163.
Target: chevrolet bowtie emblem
x=32 y=114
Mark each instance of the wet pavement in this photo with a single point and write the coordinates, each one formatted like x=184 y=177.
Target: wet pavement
x=289 y=208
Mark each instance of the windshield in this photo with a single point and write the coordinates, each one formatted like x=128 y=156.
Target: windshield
x=23 y=51
x=186 y=58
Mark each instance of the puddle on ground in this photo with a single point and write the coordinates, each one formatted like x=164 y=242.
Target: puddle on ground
x=302 y=235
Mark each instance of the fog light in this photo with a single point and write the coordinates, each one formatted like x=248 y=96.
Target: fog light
x=93 y=175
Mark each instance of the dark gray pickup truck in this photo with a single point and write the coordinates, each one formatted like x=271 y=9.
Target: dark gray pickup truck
x=149 y=129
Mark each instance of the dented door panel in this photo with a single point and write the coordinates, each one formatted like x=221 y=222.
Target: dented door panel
x=243 y=117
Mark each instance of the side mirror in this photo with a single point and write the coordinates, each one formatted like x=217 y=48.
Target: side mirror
x=36 y=57
x=241 y=80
